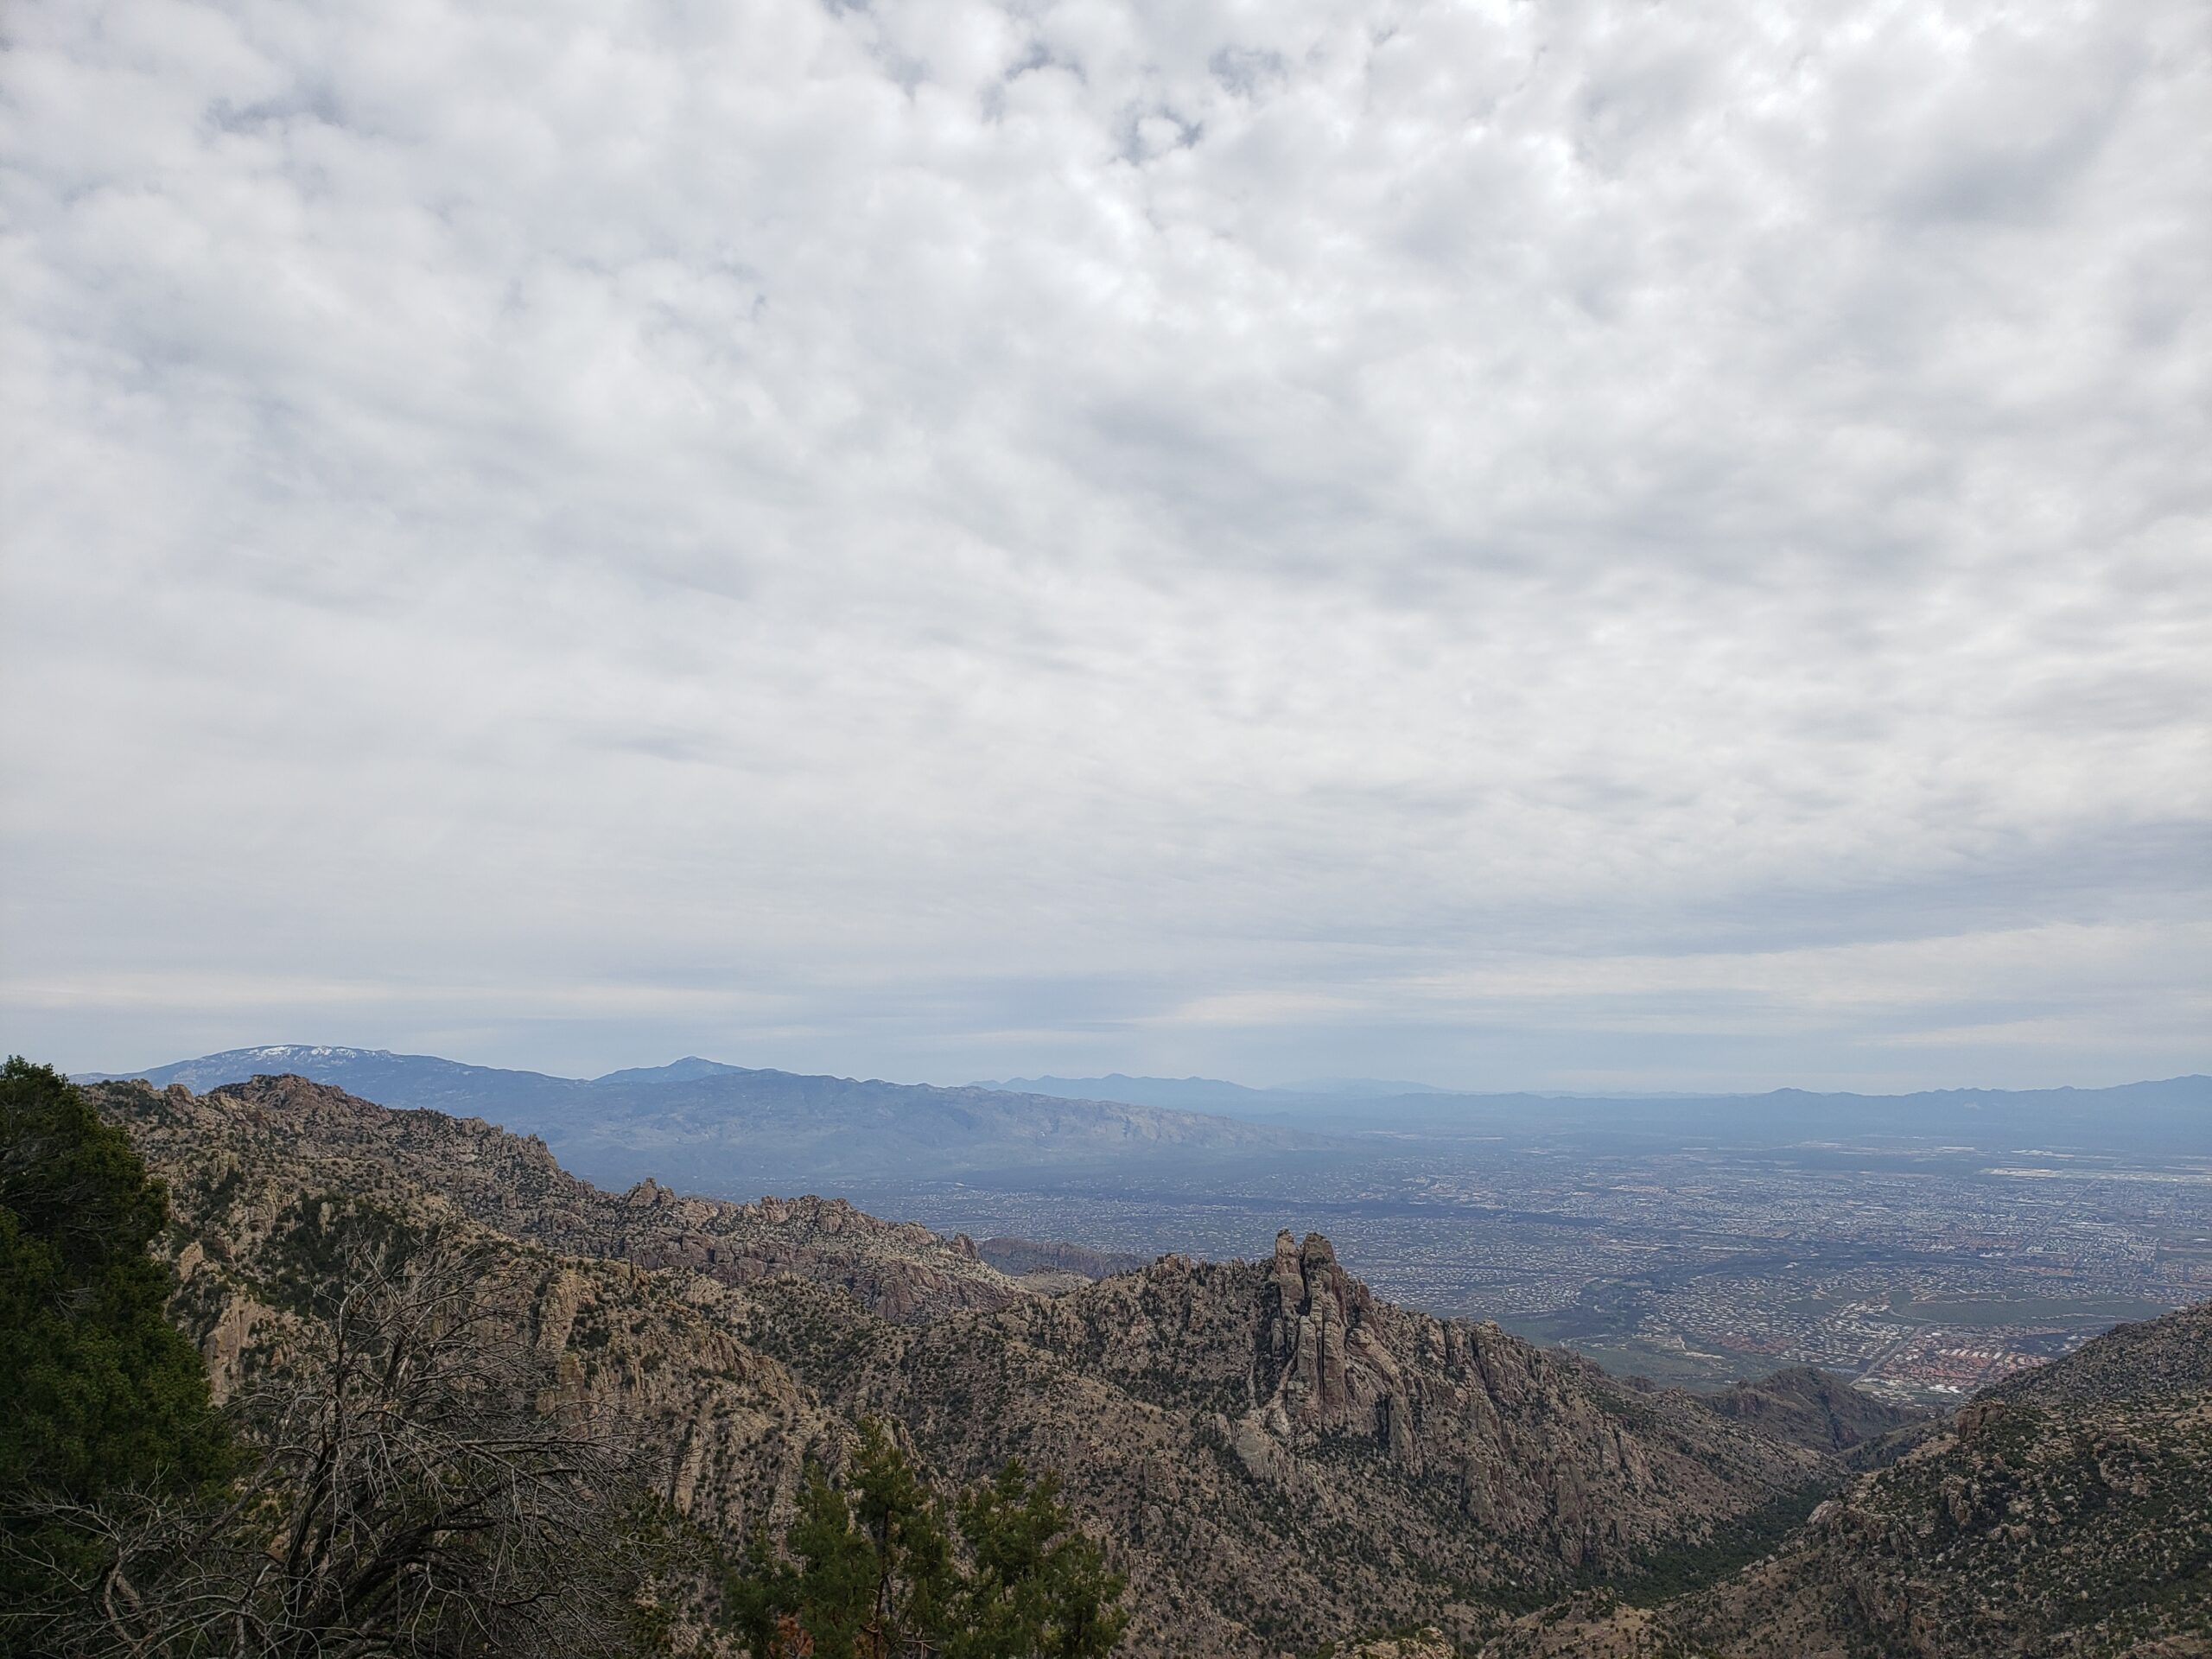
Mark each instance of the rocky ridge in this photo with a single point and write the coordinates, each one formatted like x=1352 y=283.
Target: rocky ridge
x=1811 y=1407
x=261 y=1180
x=513 y=1185
x=1277 y=1457
x=1285 y=1457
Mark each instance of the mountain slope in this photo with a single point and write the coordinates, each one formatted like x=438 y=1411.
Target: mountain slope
x=1341 y=1102
x=782 y=1127
x=375 y=1074
x=514 y=1186
x=1809 y=1408
x=2067 y=1511
x=1278 y=1457
x=1286 y=1457
x=687 y=1069
x=264 y=1183
x=1175 y=1094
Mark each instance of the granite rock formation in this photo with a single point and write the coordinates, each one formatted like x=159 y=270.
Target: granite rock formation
x=1278 y=1457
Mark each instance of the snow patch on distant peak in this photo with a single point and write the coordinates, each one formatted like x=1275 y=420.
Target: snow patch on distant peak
x=317 y=1051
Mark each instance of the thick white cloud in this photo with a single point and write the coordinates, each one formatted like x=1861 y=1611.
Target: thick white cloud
x=1537 y=544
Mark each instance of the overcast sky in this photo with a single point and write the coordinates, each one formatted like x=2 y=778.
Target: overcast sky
x=1558 y=545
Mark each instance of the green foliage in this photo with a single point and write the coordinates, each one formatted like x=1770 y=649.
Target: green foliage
x=103 y=1395
x=870 y=1571
x=1038 y=1588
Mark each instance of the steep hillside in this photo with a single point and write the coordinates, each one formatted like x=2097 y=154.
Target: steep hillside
x=1811 y=1407
x=1286 y=1457
x=266 y=1185
x=2168 y=1359
x=2067 y=1511
x=1277 y=1458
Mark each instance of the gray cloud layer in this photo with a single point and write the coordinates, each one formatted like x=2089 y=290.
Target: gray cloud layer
x=1571 y=545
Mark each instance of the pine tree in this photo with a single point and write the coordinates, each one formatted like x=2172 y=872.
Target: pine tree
x=1039 y=1589
x=103 y=1393
x=870 y=1571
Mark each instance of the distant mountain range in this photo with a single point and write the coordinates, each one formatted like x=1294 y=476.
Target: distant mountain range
x=2170 y=1115
x=702 y=1125
x=1208 y=1095
x=706 y=1125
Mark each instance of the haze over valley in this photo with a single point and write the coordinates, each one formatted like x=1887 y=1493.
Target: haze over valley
x=1920 y=1246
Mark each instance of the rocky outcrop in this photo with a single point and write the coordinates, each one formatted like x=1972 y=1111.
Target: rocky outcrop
x=655 y=1354
x=1532 y=1443
x=1276 y=1456
x=1284 y=1456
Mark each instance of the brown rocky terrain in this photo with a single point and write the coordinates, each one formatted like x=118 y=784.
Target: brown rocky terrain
x=2067 y=1510
x=1811 y=1407
x=1019 y=1256
x=1277 y=1457
x=512 y=1184
x=262 y=1179
x=1285 y=1457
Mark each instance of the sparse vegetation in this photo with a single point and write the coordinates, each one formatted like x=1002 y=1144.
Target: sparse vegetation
x=460 y=1420
x=401 y=1495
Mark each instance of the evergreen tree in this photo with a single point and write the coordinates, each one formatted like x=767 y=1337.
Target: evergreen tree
x=871 y=1572
x=1039 y=1588
x=103 y=1393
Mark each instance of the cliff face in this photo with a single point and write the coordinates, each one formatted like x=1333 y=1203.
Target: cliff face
x=260 y=1180
x=1463 y=1403
x=1276 y=1456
